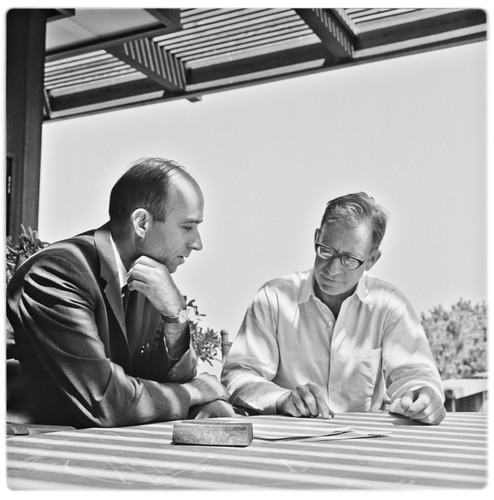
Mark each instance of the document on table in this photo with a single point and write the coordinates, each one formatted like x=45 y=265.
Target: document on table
x=267 y=428
x=333 y=434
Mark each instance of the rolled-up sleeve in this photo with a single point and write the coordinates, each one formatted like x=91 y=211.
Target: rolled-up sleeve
x=408 y=362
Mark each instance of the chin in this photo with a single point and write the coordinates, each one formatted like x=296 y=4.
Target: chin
x=171 y=267
x=333 y=289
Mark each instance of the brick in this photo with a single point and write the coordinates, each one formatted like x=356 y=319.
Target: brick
x=212 y=433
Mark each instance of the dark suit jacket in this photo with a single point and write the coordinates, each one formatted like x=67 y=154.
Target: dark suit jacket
x=81 y=365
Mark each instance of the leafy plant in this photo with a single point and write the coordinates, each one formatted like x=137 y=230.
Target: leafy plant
x=458 y=338
x=15 y=254
x=29 y=243
x=206 y=341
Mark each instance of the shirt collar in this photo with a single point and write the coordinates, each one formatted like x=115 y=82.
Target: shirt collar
x=362 y=292
x=122 y=272
x=307 y=288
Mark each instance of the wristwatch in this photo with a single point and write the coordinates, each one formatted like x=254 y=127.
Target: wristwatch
x=179 y=319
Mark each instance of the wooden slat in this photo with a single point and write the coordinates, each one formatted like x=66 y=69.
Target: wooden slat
x=254 y=46
x=157 y=64
x=242 y=32
x=380 y=15
x=395 y=17
x=94 y=70
x=240 y=24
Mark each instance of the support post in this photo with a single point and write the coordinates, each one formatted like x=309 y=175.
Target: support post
x=26 y=30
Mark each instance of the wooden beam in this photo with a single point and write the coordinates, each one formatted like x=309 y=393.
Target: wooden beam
x=280 y=61
x=332 y=32
x=110 y=95
x=156 y=63
x=56 y=14
x=168 y=17
x=26 y=30
x=421 y=28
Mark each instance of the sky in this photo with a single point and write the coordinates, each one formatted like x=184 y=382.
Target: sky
x=410 y=131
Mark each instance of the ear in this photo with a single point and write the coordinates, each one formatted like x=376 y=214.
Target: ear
x=141 y=220
x=375 y=257
x=316 y=234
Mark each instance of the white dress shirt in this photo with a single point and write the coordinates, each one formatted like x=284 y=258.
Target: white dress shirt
x=289 y=337
x=122 y=272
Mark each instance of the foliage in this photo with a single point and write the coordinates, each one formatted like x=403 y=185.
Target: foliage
x=458 y=338
x=29 y=243
x=206 y=341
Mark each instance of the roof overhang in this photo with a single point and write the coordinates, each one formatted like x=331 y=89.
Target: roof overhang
x=104 y=59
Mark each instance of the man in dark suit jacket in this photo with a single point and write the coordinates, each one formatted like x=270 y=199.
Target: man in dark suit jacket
x=100 y=326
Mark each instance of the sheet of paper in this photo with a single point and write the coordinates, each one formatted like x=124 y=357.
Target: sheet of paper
x=276 y=435
x=351 y=434
x=263 y=430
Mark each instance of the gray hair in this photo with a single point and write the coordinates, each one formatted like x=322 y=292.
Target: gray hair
x=352 y=209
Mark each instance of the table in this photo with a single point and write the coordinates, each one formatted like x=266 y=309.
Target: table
x=451 y=455
x=465 y=394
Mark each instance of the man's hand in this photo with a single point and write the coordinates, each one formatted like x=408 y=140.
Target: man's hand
x=213 y=409
x=204 y=389
x=155 y=281
x=423 y=405
x=304 y=401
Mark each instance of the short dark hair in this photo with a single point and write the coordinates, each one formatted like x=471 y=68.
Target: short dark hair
x=352 y=209
x=143 y=185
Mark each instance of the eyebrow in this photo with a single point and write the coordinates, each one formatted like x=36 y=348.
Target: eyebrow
x=191 y=220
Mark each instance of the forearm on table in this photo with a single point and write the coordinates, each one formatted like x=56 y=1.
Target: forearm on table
x=100 y=393
x=253 y=391
x=408 y=362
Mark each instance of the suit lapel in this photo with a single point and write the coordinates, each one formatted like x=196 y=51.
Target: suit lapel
x=143 y=319
x=109 y=273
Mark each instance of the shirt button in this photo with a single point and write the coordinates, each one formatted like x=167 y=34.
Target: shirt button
x=330 y=323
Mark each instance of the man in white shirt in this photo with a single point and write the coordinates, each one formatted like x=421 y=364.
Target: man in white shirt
x=334 y=338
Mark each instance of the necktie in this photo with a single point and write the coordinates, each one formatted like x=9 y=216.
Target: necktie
x=125 y=297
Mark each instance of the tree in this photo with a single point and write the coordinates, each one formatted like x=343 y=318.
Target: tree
x=458 y=338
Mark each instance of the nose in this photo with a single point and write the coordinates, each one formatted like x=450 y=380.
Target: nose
x=196 y=241
x=334 y=265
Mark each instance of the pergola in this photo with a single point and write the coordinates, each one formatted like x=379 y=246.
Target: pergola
x=64 y=63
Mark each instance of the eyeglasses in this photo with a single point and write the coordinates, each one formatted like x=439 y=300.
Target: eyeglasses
x=346 y=261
